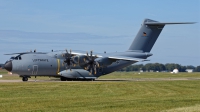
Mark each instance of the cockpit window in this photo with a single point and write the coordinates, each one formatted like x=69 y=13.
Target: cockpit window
x=16 y=58
x=12 y=58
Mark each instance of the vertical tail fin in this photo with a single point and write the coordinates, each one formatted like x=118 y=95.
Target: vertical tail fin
x=148 y=34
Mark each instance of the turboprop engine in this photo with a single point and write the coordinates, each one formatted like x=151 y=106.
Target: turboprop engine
x=105 y=61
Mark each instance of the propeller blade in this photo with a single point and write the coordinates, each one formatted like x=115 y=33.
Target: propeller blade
x=97 y=64
x=88 y=67
x=91 y=53
x=70 y=67
x=94 y=68
x=67 y=68
x=90 y=71
x=69 y=60
x=70 y=52
x=66 y=51
x=87 y=56
x=86 y=61
x=91 y=63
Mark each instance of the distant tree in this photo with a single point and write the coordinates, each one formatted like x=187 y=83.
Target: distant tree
x=128 y=68
x=197 y=69
x=169 y=67
x=183 y=68
x=138 y=67
x=190 y=67
x=172 y=66
x=150 y=66
x=159 y=67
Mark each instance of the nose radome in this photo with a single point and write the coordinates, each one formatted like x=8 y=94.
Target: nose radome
x=8 y=66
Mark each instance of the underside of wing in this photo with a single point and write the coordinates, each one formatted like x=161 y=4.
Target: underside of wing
x=128 y=58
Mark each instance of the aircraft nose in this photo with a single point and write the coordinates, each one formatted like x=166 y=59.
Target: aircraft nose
x=8 y=66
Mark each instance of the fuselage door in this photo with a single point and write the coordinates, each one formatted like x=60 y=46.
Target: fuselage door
x=35 y=70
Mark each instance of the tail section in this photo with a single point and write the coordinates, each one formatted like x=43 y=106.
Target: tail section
x=148 y=34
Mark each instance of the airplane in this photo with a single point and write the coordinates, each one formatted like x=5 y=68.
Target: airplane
x=81 y=65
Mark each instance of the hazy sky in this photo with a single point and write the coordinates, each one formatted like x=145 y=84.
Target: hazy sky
x=99 y=25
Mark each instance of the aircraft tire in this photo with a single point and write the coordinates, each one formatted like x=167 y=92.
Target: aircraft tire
x=68 y=79
x=92 y=79
x=24 y=79
x=63 y=78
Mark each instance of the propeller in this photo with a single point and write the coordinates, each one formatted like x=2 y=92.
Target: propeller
x=91 y=64
x=68 y=59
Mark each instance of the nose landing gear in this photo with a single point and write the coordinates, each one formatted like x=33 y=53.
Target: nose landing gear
x=25 y=78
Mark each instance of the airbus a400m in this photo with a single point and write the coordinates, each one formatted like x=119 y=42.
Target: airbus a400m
x=80 y=65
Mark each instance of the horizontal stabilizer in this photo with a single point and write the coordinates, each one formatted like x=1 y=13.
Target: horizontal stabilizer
x=158 y=23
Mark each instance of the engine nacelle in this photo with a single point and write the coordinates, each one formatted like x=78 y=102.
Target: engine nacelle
x=104 y=61
x=80 y=59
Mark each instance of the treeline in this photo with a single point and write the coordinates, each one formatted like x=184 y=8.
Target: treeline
x=160 y=67
x=1 y=65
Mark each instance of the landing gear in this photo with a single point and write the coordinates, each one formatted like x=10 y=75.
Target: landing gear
x=24 y=79
x=68 y=79
x=92 y=80
x=63 y=78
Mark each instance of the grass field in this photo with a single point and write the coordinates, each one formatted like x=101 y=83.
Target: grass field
x=103 y=96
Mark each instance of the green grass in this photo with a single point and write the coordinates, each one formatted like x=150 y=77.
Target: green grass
x=125 y=75
x=103 y=96
x=3 y=71
x=99 y=96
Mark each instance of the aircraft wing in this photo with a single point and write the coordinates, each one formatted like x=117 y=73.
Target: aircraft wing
x=111 y=56
x=25 y=53
x=127 y=58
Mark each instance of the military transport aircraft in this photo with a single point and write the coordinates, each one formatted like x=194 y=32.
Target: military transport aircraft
x=80 y=65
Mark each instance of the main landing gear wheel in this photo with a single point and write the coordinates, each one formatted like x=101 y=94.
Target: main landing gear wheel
x=24 y=78
x=63 y=78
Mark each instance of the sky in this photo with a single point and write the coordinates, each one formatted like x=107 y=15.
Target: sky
x=99 y=25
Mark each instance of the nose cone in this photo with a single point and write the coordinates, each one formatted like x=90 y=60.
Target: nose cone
x=8 y=66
